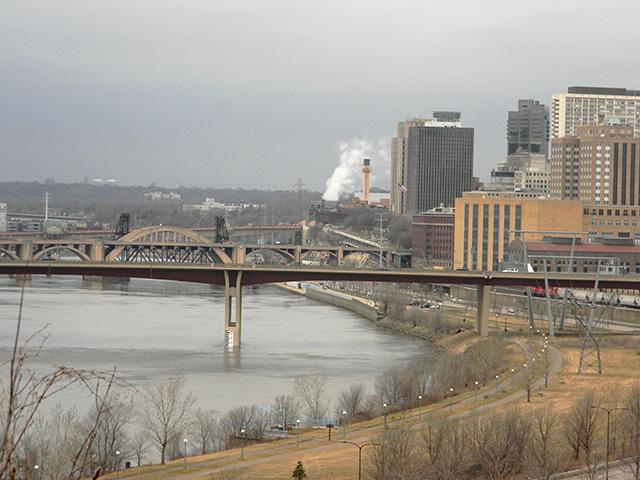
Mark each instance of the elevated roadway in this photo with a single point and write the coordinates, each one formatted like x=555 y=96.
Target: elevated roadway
x=234 y=276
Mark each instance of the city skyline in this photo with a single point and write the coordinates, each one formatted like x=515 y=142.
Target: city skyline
x=127 y=88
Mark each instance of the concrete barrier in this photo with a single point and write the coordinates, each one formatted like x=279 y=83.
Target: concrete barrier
x=340 y=300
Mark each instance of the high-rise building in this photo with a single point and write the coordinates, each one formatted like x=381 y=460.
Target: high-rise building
x=439 y=164
x=601 y=167
x=528 y=128
x=486 y=224
x=398 y=161
x=590 y=106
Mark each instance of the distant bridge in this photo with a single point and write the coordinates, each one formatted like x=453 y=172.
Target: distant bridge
x=234 y=277
x=166 y=244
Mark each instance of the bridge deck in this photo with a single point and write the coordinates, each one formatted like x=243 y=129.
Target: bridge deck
x=257 y=274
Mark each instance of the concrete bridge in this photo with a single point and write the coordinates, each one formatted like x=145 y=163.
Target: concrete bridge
x=166 y=244
x=234 y=276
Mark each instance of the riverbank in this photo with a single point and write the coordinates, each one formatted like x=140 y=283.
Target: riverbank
x=452 y=340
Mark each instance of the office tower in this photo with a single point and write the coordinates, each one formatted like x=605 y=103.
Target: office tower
x=590 y=106
x=601 y=167
x=528 y=128
x=439 y=164
x=398 y=187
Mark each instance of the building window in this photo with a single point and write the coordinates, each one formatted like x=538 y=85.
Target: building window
x=485 y=236
x=474 y=238
x=465 y=261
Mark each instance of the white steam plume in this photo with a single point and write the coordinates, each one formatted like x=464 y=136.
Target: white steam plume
x=346 y=179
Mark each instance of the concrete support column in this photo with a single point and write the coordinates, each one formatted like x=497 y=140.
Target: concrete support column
x=25 y=250
x=340 y=255
x=239 y=254
x=96 y=251
x=232 y=316
x=297 y=255
x=482 y=315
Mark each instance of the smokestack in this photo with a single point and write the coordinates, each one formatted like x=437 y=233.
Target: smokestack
x=366 y=170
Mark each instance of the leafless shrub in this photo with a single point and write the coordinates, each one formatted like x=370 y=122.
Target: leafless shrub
x=630 y=426
x=352 y=401
x=393 y=458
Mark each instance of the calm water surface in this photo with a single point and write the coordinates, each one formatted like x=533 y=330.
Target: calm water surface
x=149 y=329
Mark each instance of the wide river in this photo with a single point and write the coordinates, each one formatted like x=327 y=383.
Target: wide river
x=151 y=329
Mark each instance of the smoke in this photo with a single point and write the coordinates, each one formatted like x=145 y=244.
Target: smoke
x=346 y=179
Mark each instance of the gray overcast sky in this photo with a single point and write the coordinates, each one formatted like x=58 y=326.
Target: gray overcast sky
x=255 y=94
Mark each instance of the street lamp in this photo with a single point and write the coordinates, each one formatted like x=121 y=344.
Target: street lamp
x=344 y=424
x=475 y=400
x=384 y=406
x=242 y=443
x=450 y=400
x=608 y=410
x=497 y=380
x=185 y=453
x=118 y=463
x=419 y=405
x=360 y=447
x=298 y=433
x=36 y=469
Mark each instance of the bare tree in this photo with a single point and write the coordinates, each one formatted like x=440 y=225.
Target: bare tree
x=286 y=409
x=205 y=428
x=25 y=391
x=447 y=450
x=312 y=391
x=500 y=444
x=352 y=400
x=631 y=428
x=544 y=458
x=167 y=410
x=139 y=445
x=393 y=458
x=111 y=430
x=580 y=426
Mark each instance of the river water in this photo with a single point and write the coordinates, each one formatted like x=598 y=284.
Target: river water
x=150 y=329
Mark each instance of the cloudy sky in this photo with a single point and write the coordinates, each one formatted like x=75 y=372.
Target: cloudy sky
x=257 y=93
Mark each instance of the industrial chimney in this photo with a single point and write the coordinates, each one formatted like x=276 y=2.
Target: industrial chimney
x=366 y=170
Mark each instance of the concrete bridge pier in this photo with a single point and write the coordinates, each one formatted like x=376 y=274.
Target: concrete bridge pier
x=482 y=313
x=232 y=313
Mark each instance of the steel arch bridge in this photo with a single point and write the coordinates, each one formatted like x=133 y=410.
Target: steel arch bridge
x=165 y=244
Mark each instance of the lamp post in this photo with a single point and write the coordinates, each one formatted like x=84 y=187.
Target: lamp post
x=608 y=410
x=242 y=443
x=185 y=453
x=450 y=400
x=298 y=433
x=118 y=463
x=475 y=396
x=360 y=447
x=344 y=424
x=36 y=470
x=497 y=380
x=384 y=406
x=419 y=405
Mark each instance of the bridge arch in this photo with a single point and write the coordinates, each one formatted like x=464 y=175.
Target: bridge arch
x=57 y=248
x=162 y=233
x=166 y=234
x=8 y=254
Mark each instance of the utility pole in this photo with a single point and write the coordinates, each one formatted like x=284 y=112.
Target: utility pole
x=299 y=186
x=589 y=345
x=46 y=206
x=566 y=290
x=380 y=239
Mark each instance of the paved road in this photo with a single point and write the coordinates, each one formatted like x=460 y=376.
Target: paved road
x=319 y=445
x=615 y=473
